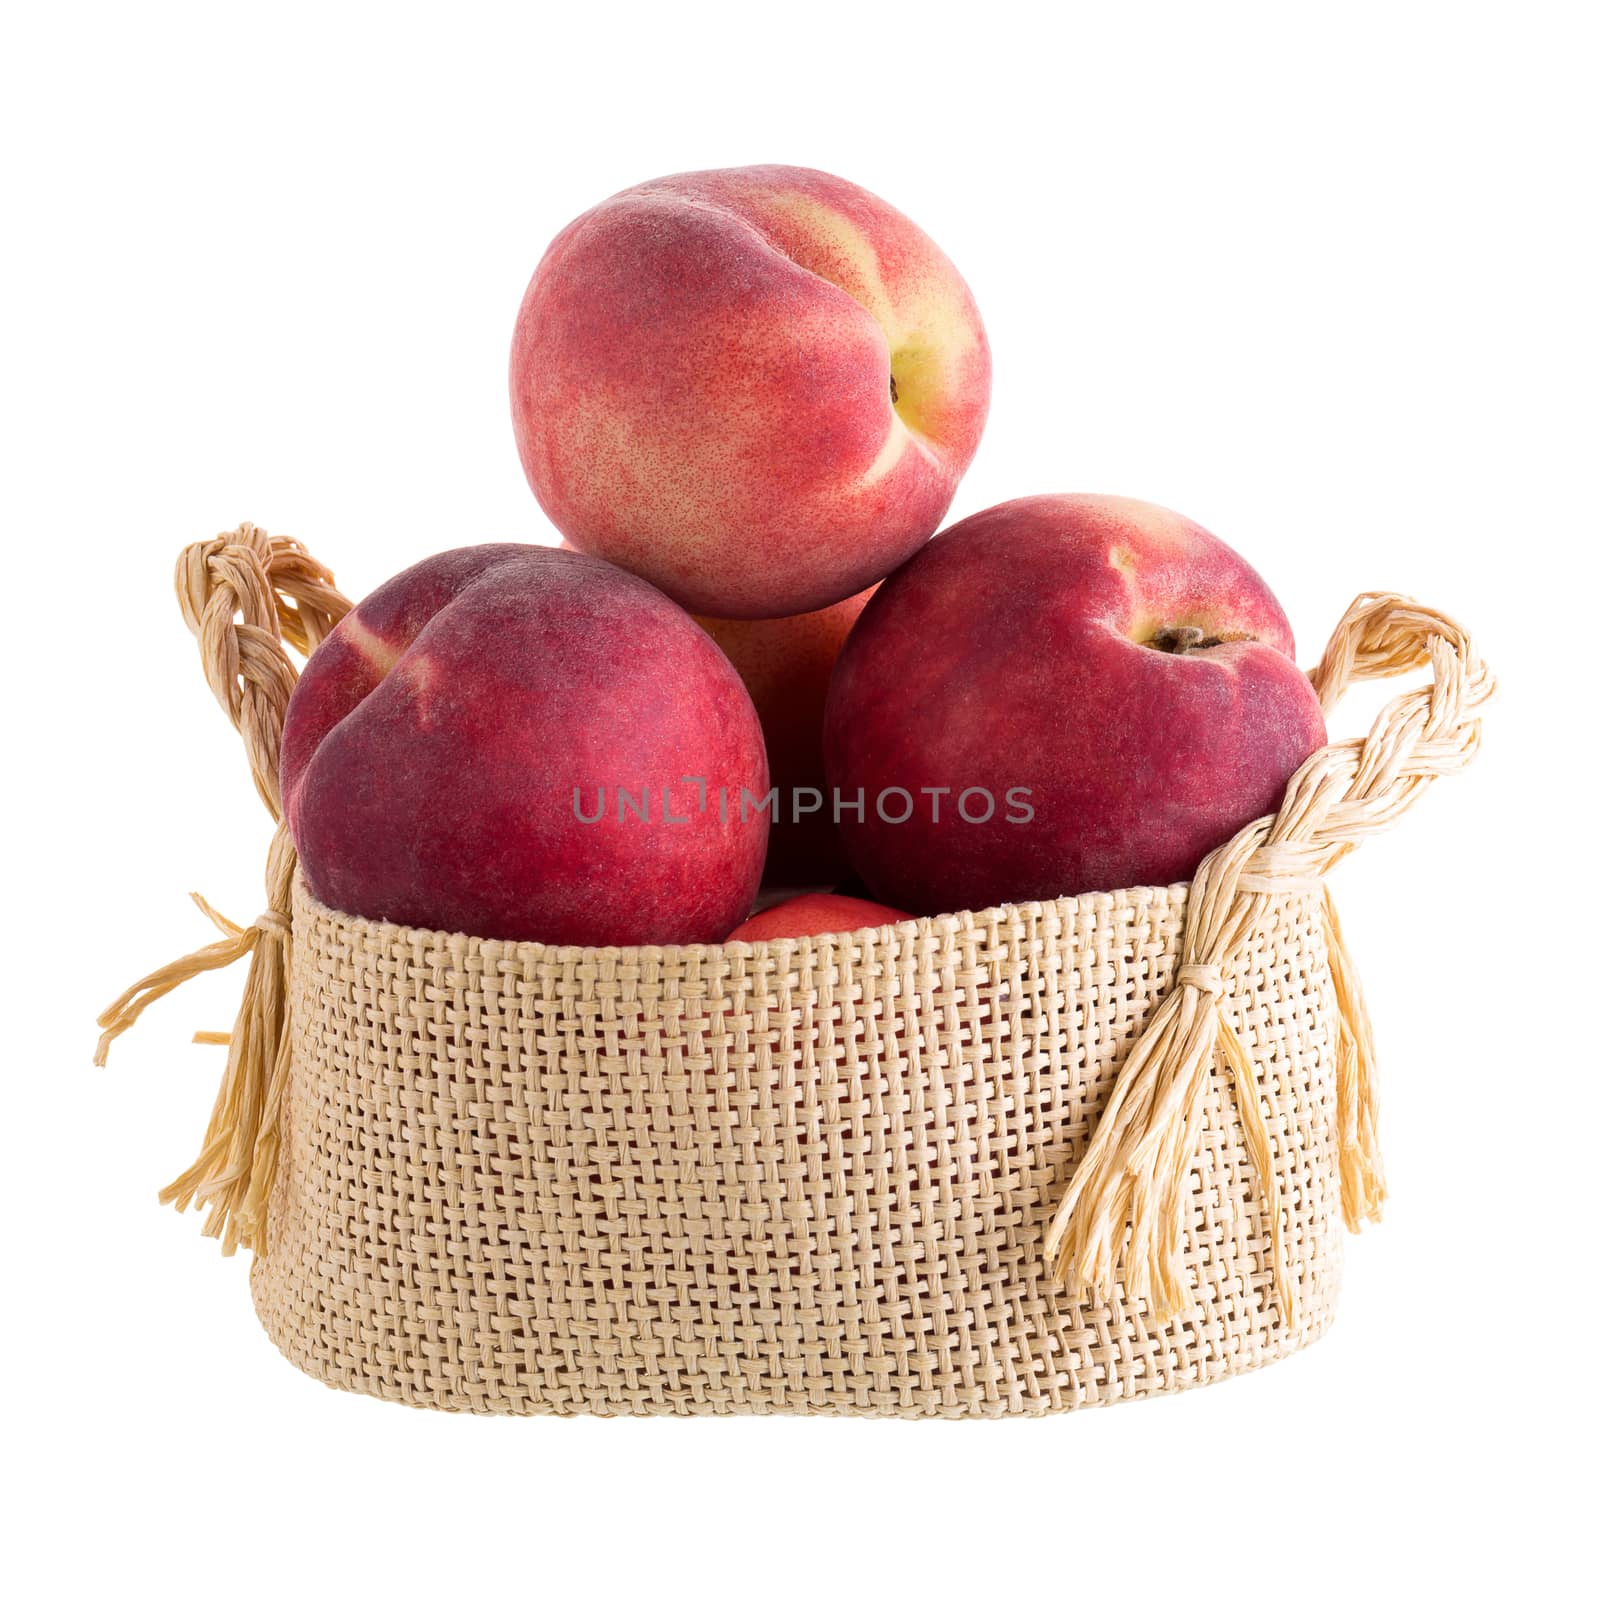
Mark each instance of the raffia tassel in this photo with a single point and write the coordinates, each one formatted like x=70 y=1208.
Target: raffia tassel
x=1138 y=1167
x=1129 y=1193
x=232 y=1177
x=130 y=1005
x=244 y=595
x=1362 y=1190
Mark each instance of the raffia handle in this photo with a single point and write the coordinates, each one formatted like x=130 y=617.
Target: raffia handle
x=245 y=596
x=1137 y=1167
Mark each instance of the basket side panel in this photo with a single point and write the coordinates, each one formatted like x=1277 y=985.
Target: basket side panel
x=813 y=1177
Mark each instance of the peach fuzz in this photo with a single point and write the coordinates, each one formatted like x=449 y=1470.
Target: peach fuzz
x=808 y=914
x=1121 y=665
x=446 y=749
x=786 y=664
x=756 y=387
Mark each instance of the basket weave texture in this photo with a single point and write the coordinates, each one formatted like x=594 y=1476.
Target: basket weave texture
x=1000 y=1162
x=810 y=1176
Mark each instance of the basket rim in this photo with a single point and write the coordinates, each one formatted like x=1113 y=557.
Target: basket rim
x=1063 y=907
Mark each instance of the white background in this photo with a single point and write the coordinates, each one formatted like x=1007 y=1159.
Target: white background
x=1322 y=278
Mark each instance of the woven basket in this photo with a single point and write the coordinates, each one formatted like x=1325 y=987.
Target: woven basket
x=1008 y=1161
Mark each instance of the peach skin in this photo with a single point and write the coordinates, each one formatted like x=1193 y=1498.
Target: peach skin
x=1093 y=692
x=786 y=664
x=525 y=743
x=807 y=914
x=756 y=387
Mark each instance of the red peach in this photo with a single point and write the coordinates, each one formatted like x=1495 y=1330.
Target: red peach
x=786 y=664
x=1094 y=693
x=807 y=914
x=756 y=387
x=454 y=751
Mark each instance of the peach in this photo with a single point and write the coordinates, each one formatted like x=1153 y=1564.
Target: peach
x=756 y=387
x=1062 y=694
x=526 y=743
x=786 y=664
x=807 y=914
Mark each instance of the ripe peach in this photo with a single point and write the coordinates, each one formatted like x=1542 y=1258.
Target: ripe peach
x=756 y=387
x=806 y=914
x=526 y=743
x=1063 y=693
x=786 y=664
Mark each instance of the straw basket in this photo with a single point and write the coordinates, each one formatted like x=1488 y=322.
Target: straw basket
x=1007 y=1161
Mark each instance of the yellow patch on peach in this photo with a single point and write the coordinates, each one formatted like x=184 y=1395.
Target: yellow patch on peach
x=894 y=446
x=417 y=673
x=928 y=334
x=1156 y=522
x=367 y=644
x=839 y=252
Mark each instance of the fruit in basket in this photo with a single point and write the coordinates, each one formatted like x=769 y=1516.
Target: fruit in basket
x=806 y=914
x=786 y=664
x=1070 y=693
x=526 y=743
x=756 y=387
